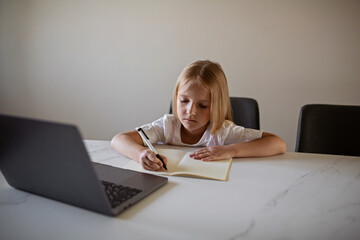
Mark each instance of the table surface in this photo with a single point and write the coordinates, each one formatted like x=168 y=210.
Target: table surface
x=288 y=196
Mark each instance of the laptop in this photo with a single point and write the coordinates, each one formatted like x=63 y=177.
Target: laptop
x=49 y=159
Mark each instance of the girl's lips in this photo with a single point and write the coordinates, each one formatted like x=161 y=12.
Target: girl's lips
x=189 y=120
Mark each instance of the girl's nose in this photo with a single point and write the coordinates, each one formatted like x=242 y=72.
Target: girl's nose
x=192 y=109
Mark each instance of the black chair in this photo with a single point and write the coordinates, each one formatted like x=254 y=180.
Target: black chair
x=245 y=112
x=329 y=129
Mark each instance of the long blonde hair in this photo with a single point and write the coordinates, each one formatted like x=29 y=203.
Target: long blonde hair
x=212 y=77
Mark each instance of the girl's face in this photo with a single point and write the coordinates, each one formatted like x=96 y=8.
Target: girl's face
x=193 y=108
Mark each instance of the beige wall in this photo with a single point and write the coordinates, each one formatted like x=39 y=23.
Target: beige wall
x=109 y=66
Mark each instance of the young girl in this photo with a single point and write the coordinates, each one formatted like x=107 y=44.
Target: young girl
x=202 y=118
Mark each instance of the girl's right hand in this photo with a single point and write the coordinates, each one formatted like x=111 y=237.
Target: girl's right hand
x=149 y=161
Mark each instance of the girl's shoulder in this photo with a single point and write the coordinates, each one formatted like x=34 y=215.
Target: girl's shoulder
x=169 y=118
x=165 y=119
x=227 y=124
x=231 y=133
x=228 y=128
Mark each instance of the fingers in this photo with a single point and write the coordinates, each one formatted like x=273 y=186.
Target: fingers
x=165 y=162
x=149 y=165
x=209 y=154
x=150 y=162
x=210 y=158
x=198 y=152
x=164 y=159
x=202 y=154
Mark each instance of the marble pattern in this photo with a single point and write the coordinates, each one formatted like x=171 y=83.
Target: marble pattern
x=289 y=196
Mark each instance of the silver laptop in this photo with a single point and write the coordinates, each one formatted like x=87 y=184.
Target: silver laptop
x=49 y=159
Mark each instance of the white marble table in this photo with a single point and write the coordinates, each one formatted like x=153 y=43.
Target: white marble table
x=290 y=196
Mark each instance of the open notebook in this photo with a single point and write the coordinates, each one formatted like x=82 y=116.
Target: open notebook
x=180 y=164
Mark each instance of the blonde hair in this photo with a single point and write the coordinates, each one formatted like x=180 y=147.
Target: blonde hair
x=210 y=75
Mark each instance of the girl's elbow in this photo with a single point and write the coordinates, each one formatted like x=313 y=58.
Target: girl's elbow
x=114 y=140
x=282 y=147
x=277 y=144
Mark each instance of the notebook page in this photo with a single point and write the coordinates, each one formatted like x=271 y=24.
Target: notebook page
x=173 y=157
x=179 y=163
x=213 y=169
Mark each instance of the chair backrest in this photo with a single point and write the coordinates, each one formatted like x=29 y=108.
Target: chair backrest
x=329 y=129
x=245 y=112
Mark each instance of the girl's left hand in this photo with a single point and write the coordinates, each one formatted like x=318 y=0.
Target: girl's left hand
x=211 y=153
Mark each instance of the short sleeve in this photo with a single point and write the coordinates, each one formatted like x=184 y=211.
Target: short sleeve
x=249 y=134
x=236 y=134
x=155 y=131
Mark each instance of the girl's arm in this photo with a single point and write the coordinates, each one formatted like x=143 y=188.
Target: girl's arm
x=268 y=145
x=130 y=145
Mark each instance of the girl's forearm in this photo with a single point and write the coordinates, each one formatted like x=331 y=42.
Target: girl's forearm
x=127 y=146
x=268 y=145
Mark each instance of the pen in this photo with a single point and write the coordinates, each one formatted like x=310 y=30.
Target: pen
x=148 y=143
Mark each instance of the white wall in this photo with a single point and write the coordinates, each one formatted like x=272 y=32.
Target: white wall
x=109 y=66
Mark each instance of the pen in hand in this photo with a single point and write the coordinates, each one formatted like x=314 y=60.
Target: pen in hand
x=148 y=143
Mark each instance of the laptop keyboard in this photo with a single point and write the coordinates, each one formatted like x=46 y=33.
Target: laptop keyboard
x=117 y=194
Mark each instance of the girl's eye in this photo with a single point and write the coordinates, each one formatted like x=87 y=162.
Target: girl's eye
x=202 y=106
x=184 y=100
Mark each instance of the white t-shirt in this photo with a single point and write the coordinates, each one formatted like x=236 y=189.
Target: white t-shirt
x=167 y=130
